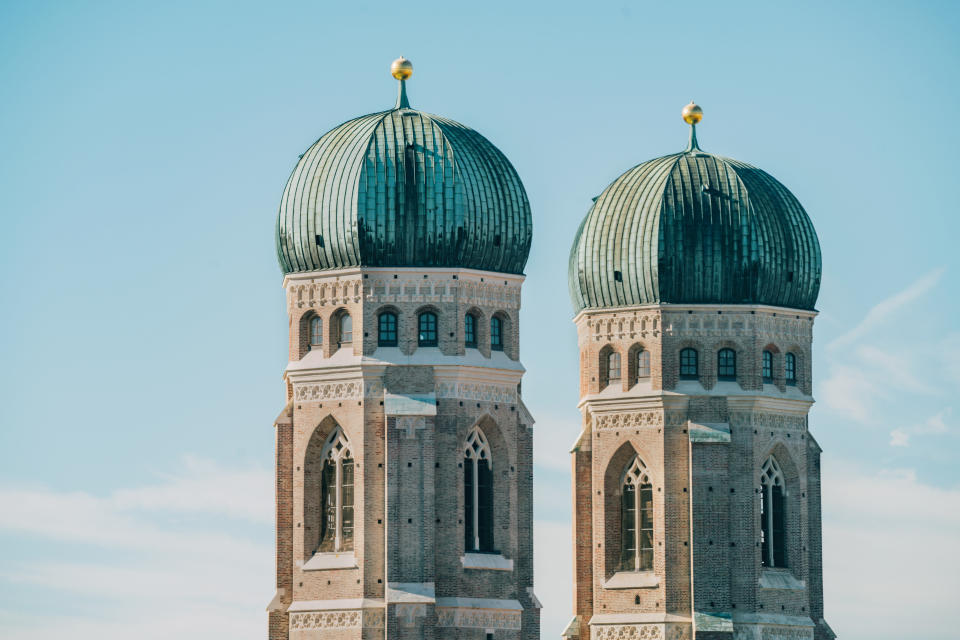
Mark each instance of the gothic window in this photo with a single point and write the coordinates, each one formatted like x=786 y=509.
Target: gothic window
x=613 y=367
x=316 y=331
x=346 y=329
x=767 y=366
x=336 y=494
x=470 y=330
x=773 y=550
x=496 y=333
x=643 y=364
x=387 y=330
x=477 y=493
x=636 y=518
x=428 y=329
x=790 y=368
x=727 y=364
x=688 y=364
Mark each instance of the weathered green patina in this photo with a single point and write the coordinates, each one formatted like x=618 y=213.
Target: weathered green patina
x=403 y=188
x=695 y=228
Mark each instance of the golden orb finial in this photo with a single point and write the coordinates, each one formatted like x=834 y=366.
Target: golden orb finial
x=692 y=113
x=401 y=68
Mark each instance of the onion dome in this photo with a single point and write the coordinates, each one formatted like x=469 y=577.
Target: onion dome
x=403 y=188
x=695 y=228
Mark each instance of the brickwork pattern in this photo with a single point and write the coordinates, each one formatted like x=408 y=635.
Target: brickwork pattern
x=409 y=492
x=706 y=494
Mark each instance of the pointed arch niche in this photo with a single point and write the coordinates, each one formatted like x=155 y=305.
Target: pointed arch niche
x=328 y=499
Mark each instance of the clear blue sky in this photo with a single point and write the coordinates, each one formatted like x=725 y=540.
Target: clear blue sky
x=145 y=149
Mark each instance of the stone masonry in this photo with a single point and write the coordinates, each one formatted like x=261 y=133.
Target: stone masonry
x=408 y=575
x=703 y=442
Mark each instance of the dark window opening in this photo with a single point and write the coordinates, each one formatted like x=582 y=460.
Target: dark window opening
x=689 y=367
x=727 y=364
x=470 y=330
x=387 y=330
x=496 y=334
x=428 y=330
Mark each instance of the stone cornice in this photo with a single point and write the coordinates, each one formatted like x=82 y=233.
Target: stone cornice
x=707 y=308
x=318 y=289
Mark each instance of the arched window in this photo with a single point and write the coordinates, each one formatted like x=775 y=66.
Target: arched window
x=428 y=329
x=773 y=548
x=643 y=364
x=387 y=330
x=470 y=331
x=613 y=367
x=346 y=329
x=726 y=364
x=336 y=494
x=316 y=331
x=767 y=366
x=496 y=333
x=790 y=368
x=636 y=518
x=477 y=493
x=689 y=367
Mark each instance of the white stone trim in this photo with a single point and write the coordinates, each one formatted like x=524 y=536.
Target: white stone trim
x=411 y=592
x=632 y=580
x=774 y=578
x=491 y=561
x=322 y=561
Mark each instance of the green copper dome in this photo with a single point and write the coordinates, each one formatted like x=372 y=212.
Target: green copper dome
x=693 y=228
x=403 y=188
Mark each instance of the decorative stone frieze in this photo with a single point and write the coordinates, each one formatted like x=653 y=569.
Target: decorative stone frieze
x=629 y=632
x=709 y=325
x=473 y=391
x=344 y=619
x=347 y=390
x=384 y=290
x=408 y=613
x=468 y=617
x=629 y=420
x=324 y=294
x=624 y=326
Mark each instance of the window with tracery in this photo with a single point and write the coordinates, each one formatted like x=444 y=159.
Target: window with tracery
x=477 y=493
x=428 y=329
x=316 y=331
x=613 y=367
x=773 y=548
x=689 y=367
x=336 y=494
x=767 y=366
x=346 y=329
x=727 y=364
x=643 y=364
x=790 y=368
x=387 y=330
x=636 y=518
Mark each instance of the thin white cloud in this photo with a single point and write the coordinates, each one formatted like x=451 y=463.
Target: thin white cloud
x=850 y=391
x=935 y=424
x=203 y=486
x=882 y=532
x=173 y=563
x=884 y=309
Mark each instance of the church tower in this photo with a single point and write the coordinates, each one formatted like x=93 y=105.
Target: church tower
x=404 y=452
x=696 y=478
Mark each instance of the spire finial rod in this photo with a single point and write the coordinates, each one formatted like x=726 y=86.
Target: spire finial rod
x=401 y=69
x=692 y=114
